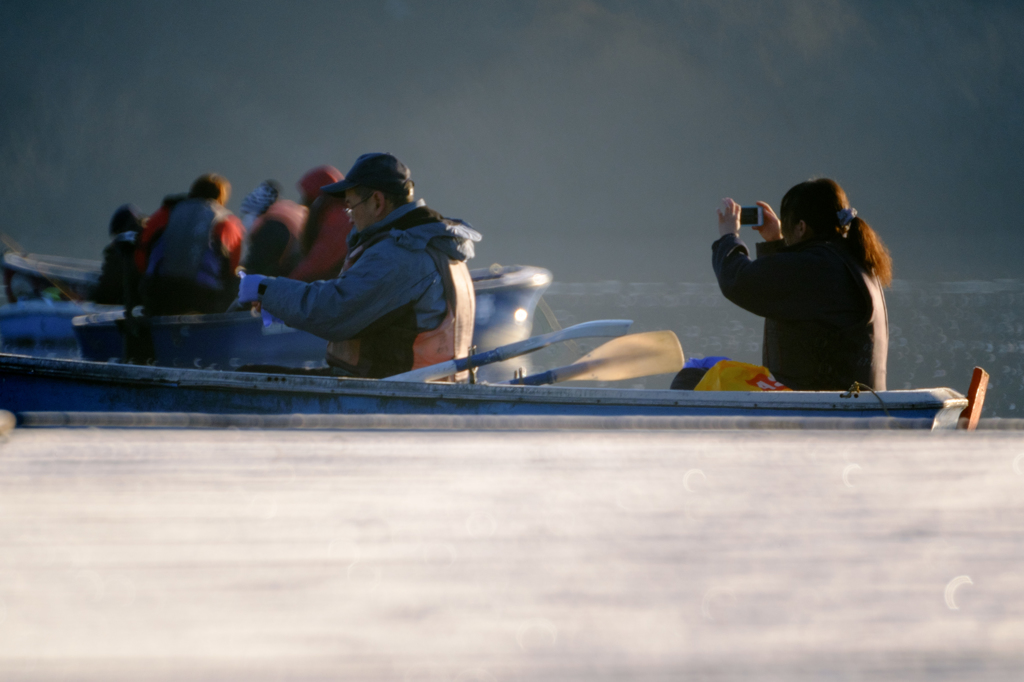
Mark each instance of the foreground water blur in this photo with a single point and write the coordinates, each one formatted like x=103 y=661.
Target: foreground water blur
x=424 y=555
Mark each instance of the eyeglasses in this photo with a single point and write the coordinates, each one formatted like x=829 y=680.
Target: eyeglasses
x=358 y=203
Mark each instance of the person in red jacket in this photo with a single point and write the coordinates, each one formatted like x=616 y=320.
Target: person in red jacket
x=195 y=253
x=151 y=232
x=325 y=237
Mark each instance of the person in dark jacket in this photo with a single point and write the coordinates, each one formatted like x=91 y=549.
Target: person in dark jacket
x=817 y=281
x=404 y=298
x=119 y=281
x=191 y=266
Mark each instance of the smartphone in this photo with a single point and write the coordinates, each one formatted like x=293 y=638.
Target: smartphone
x=752 y=215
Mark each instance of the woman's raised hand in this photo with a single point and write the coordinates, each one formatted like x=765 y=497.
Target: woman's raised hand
x=728 y=217
x=771 y=229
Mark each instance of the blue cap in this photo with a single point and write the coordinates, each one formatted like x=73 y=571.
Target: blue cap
x=377 y=171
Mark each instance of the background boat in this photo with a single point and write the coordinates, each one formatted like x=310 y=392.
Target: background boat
x=74 y=278
x=44 y=293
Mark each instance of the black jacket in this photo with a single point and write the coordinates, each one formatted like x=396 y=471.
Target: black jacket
x=825 y=319
x=119 y=280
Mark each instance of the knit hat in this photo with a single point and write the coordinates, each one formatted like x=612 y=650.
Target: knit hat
x=259 y=200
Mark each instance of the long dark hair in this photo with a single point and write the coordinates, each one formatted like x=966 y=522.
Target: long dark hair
x=818 y=203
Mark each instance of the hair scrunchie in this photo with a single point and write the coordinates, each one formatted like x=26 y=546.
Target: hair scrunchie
x=846 y=216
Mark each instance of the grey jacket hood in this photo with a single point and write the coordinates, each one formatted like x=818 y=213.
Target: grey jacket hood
x=417 y=228
x=453 y=238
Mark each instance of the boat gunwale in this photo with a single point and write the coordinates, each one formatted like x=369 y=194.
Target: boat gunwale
x=940 y=399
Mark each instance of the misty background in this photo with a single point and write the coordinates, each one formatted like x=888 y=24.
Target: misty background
x=591 y=137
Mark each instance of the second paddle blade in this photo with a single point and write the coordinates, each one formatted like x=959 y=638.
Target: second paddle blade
x=629 y=357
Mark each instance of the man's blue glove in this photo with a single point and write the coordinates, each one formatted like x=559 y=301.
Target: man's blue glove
x=248 y=290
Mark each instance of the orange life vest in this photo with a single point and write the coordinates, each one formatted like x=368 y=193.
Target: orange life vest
x=293 y=217
x=390 y=347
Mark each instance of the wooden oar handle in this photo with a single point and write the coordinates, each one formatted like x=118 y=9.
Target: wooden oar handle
x=975 y=401
x=553 y=376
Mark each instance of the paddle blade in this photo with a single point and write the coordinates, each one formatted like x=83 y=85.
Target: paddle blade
x=630 y=357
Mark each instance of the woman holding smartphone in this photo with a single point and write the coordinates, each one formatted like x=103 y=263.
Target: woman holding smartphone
x=817 y=281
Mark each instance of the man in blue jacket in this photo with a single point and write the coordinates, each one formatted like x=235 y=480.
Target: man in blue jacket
x=404 y=298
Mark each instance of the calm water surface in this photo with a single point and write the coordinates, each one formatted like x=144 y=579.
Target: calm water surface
x=287 y=555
